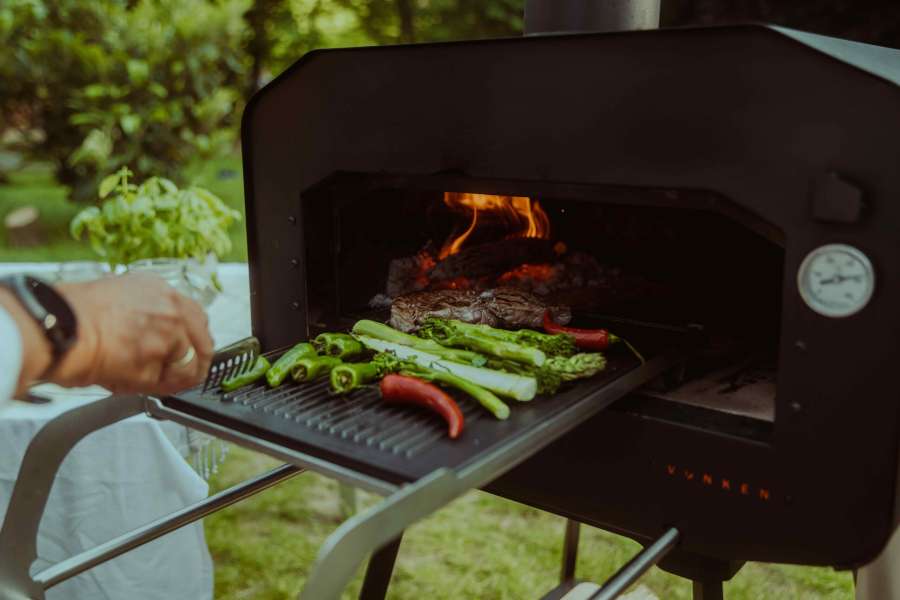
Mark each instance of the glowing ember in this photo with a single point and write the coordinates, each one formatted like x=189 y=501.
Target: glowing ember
x=542 y=272
x=457 y=283
x=523 y=216
x=426 y=264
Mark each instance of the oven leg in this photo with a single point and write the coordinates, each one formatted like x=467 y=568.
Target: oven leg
x=708 y=590
x=378 y=573
x=570 y=551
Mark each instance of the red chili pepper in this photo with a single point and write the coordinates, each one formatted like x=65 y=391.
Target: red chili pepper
x=586 y=339
x=410 y=390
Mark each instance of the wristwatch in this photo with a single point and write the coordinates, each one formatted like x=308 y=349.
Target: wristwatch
x=49 y=310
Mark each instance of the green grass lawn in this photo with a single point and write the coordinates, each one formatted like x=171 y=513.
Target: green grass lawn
x=478 y=547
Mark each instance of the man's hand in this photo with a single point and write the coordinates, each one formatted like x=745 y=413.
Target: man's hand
x=132 y=332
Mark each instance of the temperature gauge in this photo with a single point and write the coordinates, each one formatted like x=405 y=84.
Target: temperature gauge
x=836 y=280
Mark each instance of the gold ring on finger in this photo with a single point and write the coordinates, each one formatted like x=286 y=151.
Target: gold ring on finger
x=186 y=359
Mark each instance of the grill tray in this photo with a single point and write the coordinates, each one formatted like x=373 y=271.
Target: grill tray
x=403 y=443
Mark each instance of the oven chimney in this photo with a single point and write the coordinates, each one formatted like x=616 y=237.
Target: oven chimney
x=570 y=16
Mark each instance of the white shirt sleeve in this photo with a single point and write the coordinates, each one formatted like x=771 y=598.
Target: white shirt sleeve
x=10 y=355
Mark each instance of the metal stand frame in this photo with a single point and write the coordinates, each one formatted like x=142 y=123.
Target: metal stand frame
x=376 y=531
x=711 y=589
x=18 y=536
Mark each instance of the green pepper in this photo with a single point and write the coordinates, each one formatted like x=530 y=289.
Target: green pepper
x=307 y=369
x=340 y=345
x=282 y=367
x=259 y=368
x=349 y=376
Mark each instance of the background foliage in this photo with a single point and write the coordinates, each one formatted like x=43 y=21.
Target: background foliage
x=92 y=85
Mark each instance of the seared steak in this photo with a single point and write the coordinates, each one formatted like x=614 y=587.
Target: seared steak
x=500 y=307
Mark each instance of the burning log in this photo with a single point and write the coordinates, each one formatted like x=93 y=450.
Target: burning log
x=493 y=258
x=408 y=274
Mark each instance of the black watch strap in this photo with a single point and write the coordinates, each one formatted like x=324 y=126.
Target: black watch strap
x=48 y=308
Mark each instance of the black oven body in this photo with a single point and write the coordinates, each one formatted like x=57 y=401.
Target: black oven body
x=759 y=115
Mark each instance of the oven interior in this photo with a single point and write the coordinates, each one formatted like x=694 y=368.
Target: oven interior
x=680 y=260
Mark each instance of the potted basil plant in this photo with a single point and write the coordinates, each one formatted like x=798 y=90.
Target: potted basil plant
x=154 y=226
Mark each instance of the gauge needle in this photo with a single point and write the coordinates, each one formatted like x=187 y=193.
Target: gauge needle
x=840 y=279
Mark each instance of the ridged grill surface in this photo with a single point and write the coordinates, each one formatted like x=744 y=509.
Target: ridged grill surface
x=399 y=442
x=360 y=417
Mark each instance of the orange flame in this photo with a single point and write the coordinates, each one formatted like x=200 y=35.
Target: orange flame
x=524 y=216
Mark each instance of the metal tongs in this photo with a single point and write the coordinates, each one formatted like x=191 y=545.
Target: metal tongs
x=232 y=360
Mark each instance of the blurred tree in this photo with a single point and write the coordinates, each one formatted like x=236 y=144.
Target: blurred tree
x=261 y=18
x=97 y=84
x=94 y=84
x=397 y=21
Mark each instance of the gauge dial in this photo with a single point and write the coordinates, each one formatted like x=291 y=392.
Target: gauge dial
x=836 y=280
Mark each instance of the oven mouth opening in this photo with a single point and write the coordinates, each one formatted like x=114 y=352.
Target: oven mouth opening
x=689 y=260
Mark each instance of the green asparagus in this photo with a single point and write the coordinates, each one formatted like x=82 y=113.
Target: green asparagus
x=475 y=337
x=510 y=385
x=551 y=345
x=386 y=333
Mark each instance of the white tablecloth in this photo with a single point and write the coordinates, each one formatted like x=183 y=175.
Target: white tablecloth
x=121 y=477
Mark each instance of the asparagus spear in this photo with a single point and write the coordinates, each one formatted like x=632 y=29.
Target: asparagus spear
x=485 y=398
x=557 y=370
x=510 y=385
x=386 y=333
x=347 y=377
x=552 y=345
x=475 y=337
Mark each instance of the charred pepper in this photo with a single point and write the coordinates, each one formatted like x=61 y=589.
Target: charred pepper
x=588 y=339
x=410 y=390
x=308 y=369
x=256 y=372
x=283 y=366
x=349 y=376
x=341 y=345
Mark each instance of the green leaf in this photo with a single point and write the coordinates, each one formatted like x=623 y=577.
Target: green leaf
x=95 y=90
x=158 y=90
x=108 y=184
x=138 y=71
x=81 y=220
x=130 y=123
